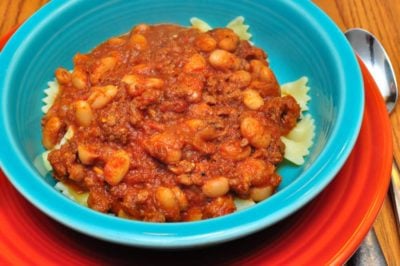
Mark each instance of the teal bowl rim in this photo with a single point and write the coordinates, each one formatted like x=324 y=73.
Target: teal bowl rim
x=185 y=235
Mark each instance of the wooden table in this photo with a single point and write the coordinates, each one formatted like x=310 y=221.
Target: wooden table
x=378 y=16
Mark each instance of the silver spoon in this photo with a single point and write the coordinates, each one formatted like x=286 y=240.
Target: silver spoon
x=375 y=58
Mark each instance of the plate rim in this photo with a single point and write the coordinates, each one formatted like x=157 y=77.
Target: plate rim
x=234 y=233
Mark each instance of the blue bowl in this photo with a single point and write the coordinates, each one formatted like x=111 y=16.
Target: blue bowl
x=300 y=40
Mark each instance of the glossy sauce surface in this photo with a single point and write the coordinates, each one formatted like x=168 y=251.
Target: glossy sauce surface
x=170 y=124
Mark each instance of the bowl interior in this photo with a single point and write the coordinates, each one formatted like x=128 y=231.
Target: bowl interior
x=298 y=38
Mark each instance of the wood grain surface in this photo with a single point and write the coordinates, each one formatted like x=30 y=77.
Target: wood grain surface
x=381 y=17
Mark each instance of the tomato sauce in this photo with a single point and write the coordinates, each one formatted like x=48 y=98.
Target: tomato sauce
x=170 y=124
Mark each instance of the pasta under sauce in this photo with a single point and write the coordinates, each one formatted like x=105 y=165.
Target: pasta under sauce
x=170 y=124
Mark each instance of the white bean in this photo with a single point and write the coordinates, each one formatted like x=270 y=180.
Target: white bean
x=86 y=155
x=181 y=198
x=252 y=99
x=216 y=187
x=227 y=39
x=241 y=78
x=266 y=74
x=116 y=167
x=153 y=83
x=164 y=146
x=79 y=78
x=255 y=132
x=138 y=41
x=206 y=43
x=116 y=41
x=52 y=132
x=101 y=96
x=140 y=28
x=223 y=60
x=83 y=113
x=63 y=76
x=249 y=127
x=195 y=63
x=166 y=197
x=260 y=193
x=106 y=64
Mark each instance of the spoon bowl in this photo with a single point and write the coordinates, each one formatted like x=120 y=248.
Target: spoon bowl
x=377 y=61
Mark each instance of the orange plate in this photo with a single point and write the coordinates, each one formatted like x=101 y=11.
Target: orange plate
x=326 y=231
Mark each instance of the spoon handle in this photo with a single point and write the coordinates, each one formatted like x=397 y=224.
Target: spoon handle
x=395 y=191
x=369 y=252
